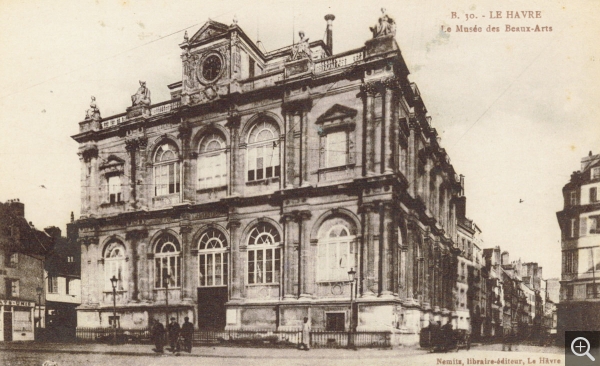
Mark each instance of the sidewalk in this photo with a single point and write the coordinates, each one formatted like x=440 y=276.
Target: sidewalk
x=208 y=351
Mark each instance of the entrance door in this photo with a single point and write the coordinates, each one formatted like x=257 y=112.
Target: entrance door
x=8 y=330
x=211 y=307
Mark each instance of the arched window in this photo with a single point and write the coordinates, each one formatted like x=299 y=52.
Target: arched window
x=212 y=162
x=263 y=151
x=167 y=262
x=115 y=265
x=264 y=254
x=167 y=174
x=212 y=259
x=335 y=251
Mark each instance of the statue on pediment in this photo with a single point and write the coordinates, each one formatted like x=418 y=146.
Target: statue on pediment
x=385 y=25
x=93 y=112
x=142 y=96
x=301 y=49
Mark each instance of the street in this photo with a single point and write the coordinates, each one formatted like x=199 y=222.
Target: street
x=27 y=354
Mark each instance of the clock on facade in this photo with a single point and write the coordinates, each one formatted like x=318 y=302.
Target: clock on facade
x=211 y=67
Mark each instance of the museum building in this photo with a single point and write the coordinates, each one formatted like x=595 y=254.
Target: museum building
x=273 y=186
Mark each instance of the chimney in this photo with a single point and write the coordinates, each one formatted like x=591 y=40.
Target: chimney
x=16 y=207
x=330 y=18
x=462 y=185
x=53 y=231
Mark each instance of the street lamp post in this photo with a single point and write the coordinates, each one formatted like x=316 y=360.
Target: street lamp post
x=39 y=290
x=114 y=281
x=352 y=278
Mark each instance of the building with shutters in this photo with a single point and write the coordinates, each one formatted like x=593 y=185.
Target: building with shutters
x=244 y=201
x=579 y=307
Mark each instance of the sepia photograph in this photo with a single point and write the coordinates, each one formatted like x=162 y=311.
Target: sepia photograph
x=270 y=182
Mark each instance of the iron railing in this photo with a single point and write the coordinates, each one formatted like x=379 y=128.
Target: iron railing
x=245 y=337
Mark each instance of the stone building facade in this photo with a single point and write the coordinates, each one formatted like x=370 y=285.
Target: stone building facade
x=244 y=201
x=579 y=221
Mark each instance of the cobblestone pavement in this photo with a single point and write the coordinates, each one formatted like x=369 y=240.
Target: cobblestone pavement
x=132 y=355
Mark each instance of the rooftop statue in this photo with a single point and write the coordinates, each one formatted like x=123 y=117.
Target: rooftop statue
x=93 y=112
x=142 y=96
x=185 y=37
x=385 y=26
x=301 y=49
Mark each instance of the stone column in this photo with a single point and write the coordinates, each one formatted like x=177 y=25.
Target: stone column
x=131 y=146
x=305 y=153
x=288 y=263
x=412 y=159
x=308 y=259
x=237 y=270
x=389 y=141
x=304 y=242
x=386 y=242
x=368 y=92
x=371 y=242
x=187 y=262
x=142 y=190
x=403 y=264
x=90 y=159
x=188 y=187
x=233 y=123
x=133 y=237
x=410 y=261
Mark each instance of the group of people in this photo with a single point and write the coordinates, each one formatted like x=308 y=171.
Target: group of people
x=175 y=334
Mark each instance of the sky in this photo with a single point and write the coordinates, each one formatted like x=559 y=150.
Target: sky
x=516 y=111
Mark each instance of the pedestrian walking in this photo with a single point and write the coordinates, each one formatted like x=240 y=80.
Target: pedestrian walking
x=173 y=330
x=305 y=345
x=158 y=336
x=187 y=332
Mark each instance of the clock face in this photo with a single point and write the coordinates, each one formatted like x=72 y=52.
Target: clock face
x=211 y=67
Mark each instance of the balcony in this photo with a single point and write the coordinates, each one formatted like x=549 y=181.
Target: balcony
x=338 y=61
x=157 y=109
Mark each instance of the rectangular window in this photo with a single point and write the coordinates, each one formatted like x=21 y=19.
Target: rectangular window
x=263 y=162
x=335 y=322
x=582 y=226
x=251 y=64
x=573 y=198
x=70 y=259
x=114 y=321
x=68 y=286
x=595 y=173
x=12 y=260
x=337 y=148
x=573 y=228
x=22 y=321
x=12 y=288
x=593 y=195
x=264 y=265
x=590 y=293
x=52 y=284
x=114 y=189
x=212 y=171
x=166 y=179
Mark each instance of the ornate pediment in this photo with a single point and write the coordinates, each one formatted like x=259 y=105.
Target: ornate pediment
x=337 y=112
x=210 y=29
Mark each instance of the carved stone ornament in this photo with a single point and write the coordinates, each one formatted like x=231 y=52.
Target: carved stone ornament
x=385 y=25
x=142 y=96
x=301 y=49
x=93 y=113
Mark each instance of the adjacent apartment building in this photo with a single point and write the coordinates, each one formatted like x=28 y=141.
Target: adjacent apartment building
x=579 y=221
x=22 y=252
x=246 y=200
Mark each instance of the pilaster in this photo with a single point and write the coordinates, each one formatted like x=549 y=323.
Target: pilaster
x=236 y=262
x=233 y=123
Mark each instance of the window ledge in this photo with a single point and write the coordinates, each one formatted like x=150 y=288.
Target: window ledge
x=115 y=204
x=337 y=168
x=111 y=291
x=209 y=189
x=262 y=181
x=262 y=284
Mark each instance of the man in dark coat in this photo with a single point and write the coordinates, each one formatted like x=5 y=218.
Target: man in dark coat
x=158 y=336
x=448 y=335
x=173 y=331
x=187 y=333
